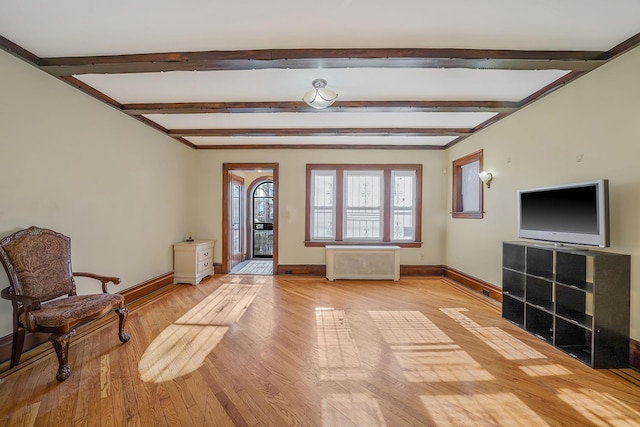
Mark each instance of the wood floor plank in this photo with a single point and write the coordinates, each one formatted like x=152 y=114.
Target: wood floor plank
x=251 y=351
x=89 y=389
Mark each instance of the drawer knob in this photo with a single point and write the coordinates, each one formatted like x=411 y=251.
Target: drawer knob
x=206 y=254
x=206 y=264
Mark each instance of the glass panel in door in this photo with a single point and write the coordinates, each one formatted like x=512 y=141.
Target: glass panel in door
x=235 y=229
x=263 y=220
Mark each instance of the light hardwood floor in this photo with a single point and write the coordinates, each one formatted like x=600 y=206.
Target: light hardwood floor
x=302 y=351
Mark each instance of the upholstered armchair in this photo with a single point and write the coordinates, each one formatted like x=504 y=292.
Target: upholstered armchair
x=43 y=292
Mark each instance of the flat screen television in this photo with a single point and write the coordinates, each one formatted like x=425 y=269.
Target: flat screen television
x=573 y=213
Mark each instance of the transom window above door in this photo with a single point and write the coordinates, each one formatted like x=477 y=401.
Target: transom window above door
x=363 y=204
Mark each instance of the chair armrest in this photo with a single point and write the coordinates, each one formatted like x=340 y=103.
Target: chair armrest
x=103 y=279
x=22 y=304
x=9 y=293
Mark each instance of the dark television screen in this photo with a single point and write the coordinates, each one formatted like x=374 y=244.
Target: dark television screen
x=574 y=213
x=572 y=210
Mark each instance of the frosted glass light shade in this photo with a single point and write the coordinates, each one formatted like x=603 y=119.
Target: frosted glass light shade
x=319 y=97
x=486 y=177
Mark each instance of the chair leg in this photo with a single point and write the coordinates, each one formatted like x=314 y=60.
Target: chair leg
x=16 y=348
x=61 y=345
x=123 y=313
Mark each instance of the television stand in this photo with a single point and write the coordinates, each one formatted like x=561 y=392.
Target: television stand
x=577 y=301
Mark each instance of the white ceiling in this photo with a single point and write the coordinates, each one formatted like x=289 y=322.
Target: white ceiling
x=358 y=84
x=77 y=28
x=80 y=27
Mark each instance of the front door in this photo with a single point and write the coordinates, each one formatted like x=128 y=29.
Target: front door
x=263 y=221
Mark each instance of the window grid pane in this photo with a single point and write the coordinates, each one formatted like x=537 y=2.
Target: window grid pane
x=403 y=206
x=263 y=203
x=323 y=205
x=363 y=205
x=470 y=188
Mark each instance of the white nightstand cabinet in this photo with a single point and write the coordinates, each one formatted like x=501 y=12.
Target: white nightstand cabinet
x=192 y=261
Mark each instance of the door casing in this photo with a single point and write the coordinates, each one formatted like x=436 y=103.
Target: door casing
x=227 y=169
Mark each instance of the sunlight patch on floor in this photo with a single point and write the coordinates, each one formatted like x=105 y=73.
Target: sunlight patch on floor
x=105 y=376
x=182 y=347
x=408 y=327
x=423 y=351
x=495 y=409
x=179 y=350
x=355 y=409
x=445 y=366
x=338 y=354
x=545 y=370
x=600 y=408
x=509 y=347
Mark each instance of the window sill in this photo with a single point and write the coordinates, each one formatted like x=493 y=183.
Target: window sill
x=472 y=215
x=313 y=243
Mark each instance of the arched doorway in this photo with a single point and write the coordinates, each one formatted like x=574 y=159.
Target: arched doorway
x=262 y=219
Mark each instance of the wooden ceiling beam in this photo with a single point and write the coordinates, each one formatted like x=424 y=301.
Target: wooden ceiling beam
x=557 y=84
x=18 y=51
x=319 y=146
x=325 y=58
x=337 y=107
x=578 y=62
x=320 y=132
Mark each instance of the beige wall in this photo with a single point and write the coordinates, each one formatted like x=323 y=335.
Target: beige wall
x=119 y=189
x=125 y=193
x=594 y=118
x=292 y=168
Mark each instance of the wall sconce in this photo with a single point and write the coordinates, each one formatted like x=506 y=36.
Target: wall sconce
x=486 y=177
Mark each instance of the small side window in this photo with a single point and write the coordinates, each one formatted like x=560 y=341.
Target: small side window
x=467 y=187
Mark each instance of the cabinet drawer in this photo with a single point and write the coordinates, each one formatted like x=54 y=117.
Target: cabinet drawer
x=204 y=265
x=205 y=253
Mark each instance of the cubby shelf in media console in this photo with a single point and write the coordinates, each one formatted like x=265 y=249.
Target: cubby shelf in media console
x=576 y=300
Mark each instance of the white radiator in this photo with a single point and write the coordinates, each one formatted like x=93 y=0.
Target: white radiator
x=363 y=262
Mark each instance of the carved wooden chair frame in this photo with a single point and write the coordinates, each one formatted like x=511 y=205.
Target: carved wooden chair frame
x=25 y=262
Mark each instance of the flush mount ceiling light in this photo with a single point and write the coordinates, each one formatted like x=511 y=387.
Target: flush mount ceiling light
x=319 y=97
